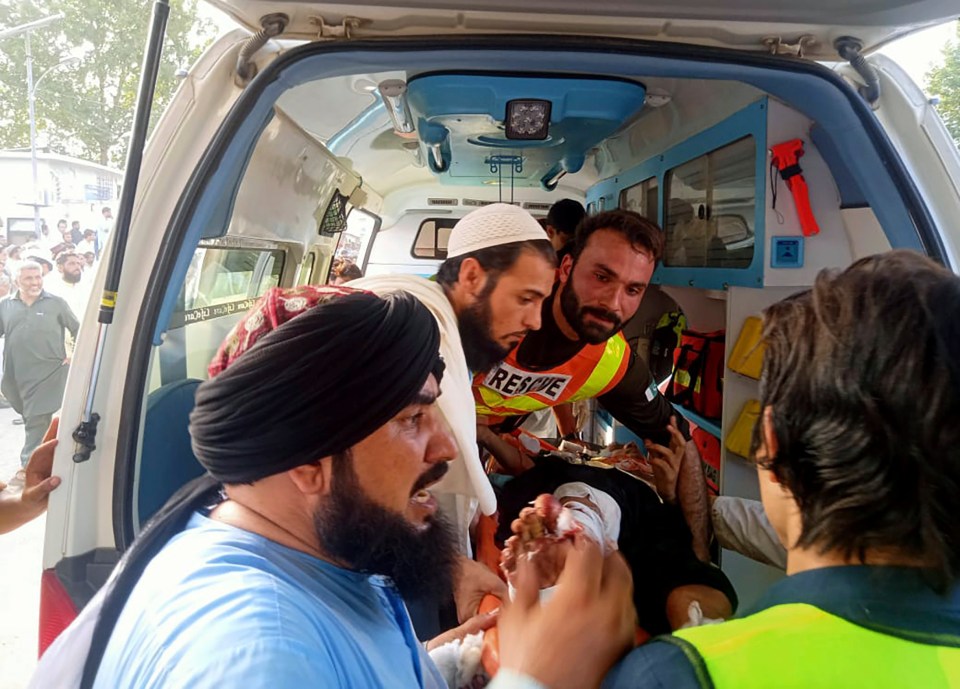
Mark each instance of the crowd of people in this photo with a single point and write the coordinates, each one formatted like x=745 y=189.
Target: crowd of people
x=336 y=533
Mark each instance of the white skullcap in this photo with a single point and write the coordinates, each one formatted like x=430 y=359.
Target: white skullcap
x=493 y=225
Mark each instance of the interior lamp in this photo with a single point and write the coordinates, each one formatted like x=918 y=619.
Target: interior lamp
x=527 y=119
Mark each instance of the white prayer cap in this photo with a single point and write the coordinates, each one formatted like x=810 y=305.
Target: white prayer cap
x=493 y=225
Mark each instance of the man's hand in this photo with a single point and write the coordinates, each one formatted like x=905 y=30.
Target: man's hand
x=473 y=581
x=477 y=623
x=17 y=508
x=39 y=483
x=666 y=462
x=571 y=641
x=537 y=539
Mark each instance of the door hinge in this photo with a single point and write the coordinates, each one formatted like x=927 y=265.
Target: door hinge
x=345 y=29
x=775 y=45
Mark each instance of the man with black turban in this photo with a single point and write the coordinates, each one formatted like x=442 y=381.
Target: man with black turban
x=284 y=566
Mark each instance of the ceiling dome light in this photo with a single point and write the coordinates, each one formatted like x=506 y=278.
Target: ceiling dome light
x=527 y=119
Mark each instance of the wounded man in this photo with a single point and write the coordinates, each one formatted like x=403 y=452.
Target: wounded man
x=542 y=506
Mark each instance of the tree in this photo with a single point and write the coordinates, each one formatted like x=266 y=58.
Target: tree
x=84 y=107
x=944 y=81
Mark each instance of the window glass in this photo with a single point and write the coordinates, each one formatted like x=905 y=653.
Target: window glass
x=710 y=212
x=433 y=237
x=306 y=269
x=221 y=286
x=642 y=198
x=219 y=276
x=353 y=242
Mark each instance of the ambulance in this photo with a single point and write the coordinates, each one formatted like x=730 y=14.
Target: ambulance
x=768 y=138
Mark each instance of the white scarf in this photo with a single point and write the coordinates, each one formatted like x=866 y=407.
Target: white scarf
x=466 y=477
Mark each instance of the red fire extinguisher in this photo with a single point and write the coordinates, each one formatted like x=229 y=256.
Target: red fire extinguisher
x=785 y=157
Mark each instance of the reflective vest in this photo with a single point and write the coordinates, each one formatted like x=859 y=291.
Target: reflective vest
x=511 y=390
x=798 y=645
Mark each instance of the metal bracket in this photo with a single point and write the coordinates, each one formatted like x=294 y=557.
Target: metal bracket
x=84 y=435
x=345 y=29
x=498 y=161
x=775 y=45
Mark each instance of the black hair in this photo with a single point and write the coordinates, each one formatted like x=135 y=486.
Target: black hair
x=565 y=215
x=495 y=260
x=862 y=374
x=639 y=231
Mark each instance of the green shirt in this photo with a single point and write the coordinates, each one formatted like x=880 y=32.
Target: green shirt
x=34 y=372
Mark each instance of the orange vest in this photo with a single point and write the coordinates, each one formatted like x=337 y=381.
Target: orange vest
x=508 y=389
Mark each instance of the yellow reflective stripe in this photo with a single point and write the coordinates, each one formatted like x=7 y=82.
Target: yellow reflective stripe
x=495 y=404
x=604 y=371
x=803 y=646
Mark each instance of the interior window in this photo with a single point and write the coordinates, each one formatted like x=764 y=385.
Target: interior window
x=221 y=285
x=219 y=276
x=355 y=240
x=642 y=198
x=710 y=212
x=433 y=238
x=306 y=269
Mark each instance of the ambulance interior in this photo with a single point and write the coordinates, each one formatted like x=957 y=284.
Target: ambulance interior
x=374 y=160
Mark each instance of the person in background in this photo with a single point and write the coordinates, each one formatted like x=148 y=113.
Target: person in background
x=25 y=497
x=46 y=265
x=348 y=272
x=104 y=229
x=70 y=282
x=13 y=254
x=76 y=234
x=88 y=243
x=33 y=324
x=65 y=235
x=561 y=225
x=89 y=260
x=46 y=239
x=859 y=481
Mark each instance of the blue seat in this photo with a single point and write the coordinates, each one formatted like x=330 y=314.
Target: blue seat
x=166 y=461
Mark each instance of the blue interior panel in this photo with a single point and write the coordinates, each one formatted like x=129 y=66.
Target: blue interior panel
x=464 y=114
x=750 y=121
x=851 y=196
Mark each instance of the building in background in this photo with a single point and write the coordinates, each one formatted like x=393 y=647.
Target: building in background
x=68 y=188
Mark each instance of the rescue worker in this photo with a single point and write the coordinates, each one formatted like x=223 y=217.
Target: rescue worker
x=579 y=352
x=860 y=482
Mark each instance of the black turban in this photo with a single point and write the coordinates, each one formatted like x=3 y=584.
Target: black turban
x=315 y=386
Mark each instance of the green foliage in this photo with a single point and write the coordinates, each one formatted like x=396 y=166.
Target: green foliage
x=85 y=107
x=944 y=81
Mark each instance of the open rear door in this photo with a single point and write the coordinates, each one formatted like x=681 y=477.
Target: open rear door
x=761 y=25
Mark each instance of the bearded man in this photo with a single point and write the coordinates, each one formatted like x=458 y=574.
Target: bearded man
x=486 y=297
x=579 y=353
x=284 y=566
x=69 y=282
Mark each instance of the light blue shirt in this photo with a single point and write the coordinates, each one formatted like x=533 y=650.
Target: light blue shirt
x=220 y=607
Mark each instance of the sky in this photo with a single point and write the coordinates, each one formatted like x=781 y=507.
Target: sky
x=918 y=52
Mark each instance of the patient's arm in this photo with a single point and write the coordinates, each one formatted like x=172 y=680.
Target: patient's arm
x=544 y=532
x=513 y=459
